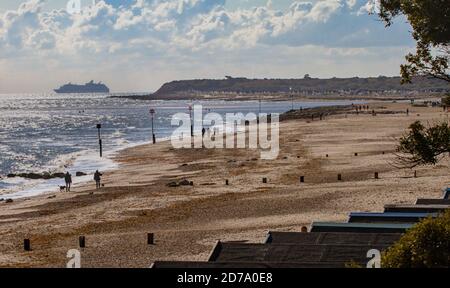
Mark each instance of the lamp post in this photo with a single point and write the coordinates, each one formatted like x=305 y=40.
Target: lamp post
x=99 y=126
x=292 y=98
x=152 y=113
x=260 y=105
x=190 y=117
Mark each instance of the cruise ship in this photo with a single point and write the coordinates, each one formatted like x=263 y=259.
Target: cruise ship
x=90 y=87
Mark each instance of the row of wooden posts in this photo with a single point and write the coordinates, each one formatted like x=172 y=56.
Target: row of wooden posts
x=82 y=242
x=339 y=178
x=302 y=178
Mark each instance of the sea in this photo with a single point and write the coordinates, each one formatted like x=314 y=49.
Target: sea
x=58 y=133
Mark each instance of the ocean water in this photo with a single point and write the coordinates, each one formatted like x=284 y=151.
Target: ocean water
x=57 y=133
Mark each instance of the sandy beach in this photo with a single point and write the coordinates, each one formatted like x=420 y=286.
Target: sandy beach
x=187 y=221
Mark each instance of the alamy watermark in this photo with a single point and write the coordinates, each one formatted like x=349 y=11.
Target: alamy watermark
x=74 y=6
x=74 y=257
x=375 y=258
x=236 y=131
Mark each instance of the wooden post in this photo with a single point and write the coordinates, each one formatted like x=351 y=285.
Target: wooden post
x=327 y=155
x=376 y=175
x=302 y=179
x=27 y=244
x=264 y=180
x=356 y=154
x=227 y=182
x=150 y=239
x=339 y=177
x=415 y=174
x=82 y=241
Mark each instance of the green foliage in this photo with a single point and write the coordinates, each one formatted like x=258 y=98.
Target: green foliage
x=423 y=145
x=446 y=100
x=430 y=20
x=426 y=245
x=353 y=265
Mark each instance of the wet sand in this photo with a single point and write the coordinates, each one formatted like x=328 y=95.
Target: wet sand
x=187 y=221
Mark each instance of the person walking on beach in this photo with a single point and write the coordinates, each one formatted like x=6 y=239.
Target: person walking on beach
x=98 y=179
x=68 y=179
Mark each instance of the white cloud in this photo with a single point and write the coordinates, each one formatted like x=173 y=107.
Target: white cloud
x=187 y=23
x=351 y=3
x=323 y=10
x=184 y=31
x=372 y=6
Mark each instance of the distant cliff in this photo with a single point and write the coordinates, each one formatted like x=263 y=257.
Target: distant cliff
x=243 y=88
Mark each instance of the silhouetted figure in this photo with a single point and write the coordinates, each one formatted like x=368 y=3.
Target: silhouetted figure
x=203 y=132
x=68 y=179
x=98 y=179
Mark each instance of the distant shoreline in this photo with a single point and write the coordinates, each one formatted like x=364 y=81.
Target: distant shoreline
x=244 y=89
x=278 y=98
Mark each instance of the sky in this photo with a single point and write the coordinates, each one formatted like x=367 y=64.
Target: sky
x=137 y=45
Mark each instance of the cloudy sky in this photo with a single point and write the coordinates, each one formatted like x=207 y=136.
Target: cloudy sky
x=137 y=45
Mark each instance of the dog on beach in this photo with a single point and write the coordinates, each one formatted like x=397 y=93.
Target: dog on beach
x=62 y=188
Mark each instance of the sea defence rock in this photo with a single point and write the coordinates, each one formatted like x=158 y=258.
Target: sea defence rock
x=172 y=184
x=181 y=183
x=36 y=176
x=32 y=176
x=58 y=175
x=79 y=174
x=185 y=183
x=9 y=201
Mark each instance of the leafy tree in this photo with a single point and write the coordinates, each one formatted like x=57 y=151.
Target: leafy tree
x=423 y=145
x=430 y=20
x=446 y=100
x=426 y=245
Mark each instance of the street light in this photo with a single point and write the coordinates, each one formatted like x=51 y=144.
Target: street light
x=190 y=117
x=152 y=113
x=260 y=104
x=292 y=97
x=99 y=126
